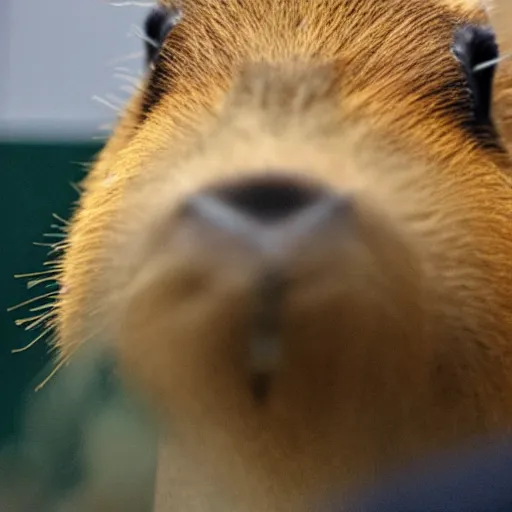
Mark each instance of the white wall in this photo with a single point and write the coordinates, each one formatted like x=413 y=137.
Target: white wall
x=54 y=56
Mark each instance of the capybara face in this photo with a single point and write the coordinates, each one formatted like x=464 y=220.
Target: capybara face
x=298 y=244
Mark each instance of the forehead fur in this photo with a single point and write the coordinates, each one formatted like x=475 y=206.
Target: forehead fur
x=393 y=64
x=222 y=35
x=456 y=5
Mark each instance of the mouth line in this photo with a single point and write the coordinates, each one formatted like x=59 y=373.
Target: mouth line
x=265 y=343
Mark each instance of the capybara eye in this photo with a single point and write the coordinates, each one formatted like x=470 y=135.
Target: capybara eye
x=477 y=50
x=160 y=21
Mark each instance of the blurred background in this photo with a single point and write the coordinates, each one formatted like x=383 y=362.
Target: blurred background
x=54 y=58
x=66 y=66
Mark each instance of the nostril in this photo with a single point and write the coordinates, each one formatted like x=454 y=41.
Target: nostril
x=272 y=212
x=269 y=198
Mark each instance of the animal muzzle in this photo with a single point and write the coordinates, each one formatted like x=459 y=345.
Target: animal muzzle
x=273 y=271
x=273 y=217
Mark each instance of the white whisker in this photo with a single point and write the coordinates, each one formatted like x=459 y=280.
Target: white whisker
x=76 y=187
x=107 y=103
x=62 y=220
x=137 y=32
x=49 y=296
x=37 y=282
x=131 y=56
x=54 y=235
x=40 y=244
x=63 y=229
x=130 y=89
x=46 y=332
x=52 y=374
x=122 y=69
x=491 y=63
x=115 y=100
x=128 y=78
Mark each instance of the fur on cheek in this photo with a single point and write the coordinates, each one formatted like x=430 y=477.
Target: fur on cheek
x=503 y=103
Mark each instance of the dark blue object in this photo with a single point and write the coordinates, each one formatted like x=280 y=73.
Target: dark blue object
x=469 y=481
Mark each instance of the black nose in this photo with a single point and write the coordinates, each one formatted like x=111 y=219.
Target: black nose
x=260 y=206
x=269 y=199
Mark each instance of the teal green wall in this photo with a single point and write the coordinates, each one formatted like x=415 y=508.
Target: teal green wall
x=36 y=182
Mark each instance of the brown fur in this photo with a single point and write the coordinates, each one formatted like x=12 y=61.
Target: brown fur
x=397 y=335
